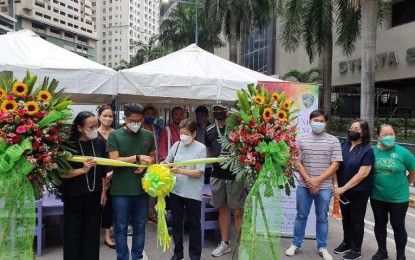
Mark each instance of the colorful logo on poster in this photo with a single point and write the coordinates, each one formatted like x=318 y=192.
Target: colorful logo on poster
x=308 y=100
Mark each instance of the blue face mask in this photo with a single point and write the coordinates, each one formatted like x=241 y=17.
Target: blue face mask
x=388 y=141
x=318 y=127
x=149 y=120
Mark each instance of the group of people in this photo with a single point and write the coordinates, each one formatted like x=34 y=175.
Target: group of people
x=92 y=192
x=353 y=172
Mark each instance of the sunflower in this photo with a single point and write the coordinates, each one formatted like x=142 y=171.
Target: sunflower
x=286 y=105
x=31 y=107
x=275 y=96
x=259 y=99
x=20 y=89
x=2 y=93
x=44 y=96
x=9 y=105
x=282 y=115
x=267 y=114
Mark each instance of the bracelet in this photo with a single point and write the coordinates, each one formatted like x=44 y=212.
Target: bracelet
x=335 y=186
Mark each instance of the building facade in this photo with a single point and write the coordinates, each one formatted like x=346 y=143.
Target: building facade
x=7 y=21
x=66 y=23
x=120 y=25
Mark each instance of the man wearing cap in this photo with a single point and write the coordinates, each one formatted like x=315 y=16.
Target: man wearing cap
x=202 y=114
x=226 y=192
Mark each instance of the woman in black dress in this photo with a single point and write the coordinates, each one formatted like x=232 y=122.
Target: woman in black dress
x=84 y=192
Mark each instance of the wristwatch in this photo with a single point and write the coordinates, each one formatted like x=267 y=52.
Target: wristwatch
x=137 y=158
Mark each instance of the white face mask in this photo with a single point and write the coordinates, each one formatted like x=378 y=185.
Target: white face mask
x=107 y=121
x=186 y=139
x=91 y=135
x=134 y=126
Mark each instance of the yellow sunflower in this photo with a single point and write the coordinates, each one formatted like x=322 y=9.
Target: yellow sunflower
x=44 y=96
x=2 y=93
x=286 y=105
x=267 y=114
x=259 y=99
x=31 y=107
x=8 y=105
x=20 y=89
x=282 y=115
x=275 y=96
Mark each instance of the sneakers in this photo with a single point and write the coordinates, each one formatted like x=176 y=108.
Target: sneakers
x=342 y=248
x=222 y=248
x=380 y=255
x=292 y=250
x=352 y=255
x=325 y=254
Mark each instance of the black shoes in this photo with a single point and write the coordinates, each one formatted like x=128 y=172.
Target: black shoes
x=400 y=257
x=174 y=257
x=380 y=255
x=342 y=248
x=109 y=245
x=352 y=255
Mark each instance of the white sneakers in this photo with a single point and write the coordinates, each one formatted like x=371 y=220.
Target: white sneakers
x=222 y=248
x=322 y=252
x=292 y=250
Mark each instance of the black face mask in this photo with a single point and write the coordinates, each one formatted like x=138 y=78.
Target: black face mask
x=219 y=115
x=353 y=135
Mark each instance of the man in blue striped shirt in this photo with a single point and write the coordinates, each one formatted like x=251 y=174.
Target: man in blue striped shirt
x=319 y=160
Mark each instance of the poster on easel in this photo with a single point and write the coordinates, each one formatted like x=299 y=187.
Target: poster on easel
x=306 y=99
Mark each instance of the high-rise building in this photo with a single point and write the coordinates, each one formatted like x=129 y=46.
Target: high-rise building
x=7 y=21
x=66 y=23
x=120 y=24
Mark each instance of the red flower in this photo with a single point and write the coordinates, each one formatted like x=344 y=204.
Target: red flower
x=244 y=150
x=35 y=145
x=242 y=159
x=255 y=154
x=40 y=115
x=53 y=131
x=59 y=141
x=258 y=166
x=21 y=112
x=252 y=123
x=39 y=133
x=262 y=130
x=30 y=177
x=263 y=155
x=9 y=97
x=50 y=138
x=240 y=119
x=16 y=138
x=21 y=129
x=244 y=132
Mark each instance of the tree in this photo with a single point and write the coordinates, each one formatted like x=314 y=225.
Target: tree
x=237 y=17
x=311 y=23
x=178 y=29
x=310 y=76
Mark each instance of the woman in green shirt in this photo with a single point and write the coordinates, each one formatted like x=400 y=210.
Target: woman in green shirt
x=390 y=193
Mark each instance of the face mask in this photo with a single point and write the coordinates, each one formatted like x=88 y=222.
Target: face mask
x=318 y=127
x=219 y=115
x=201 y=119
x=134 y=126
x=353 y=135
x=91 y=135
x=186 y=139
x=388 y=141
x=106 y=121
x=149 y=120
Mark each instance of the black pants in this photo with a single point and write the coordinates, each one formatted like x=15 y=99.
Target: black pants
x=177 y=205
x=354 y=218
x=107 y=212
x=397 y=212
x=208 y=173
x=82 y=218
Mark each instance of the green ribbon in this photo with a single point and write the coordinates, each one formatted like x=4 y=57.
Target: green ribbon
x=17 y=206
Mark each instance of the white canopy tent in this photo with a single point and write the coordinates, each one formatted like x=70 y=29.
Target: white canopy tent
x=87 y=81
x=188 y=76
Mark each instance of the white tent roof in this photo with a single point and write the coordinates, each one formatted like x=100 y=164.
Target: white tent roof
x=186 y=76
x=86 y=80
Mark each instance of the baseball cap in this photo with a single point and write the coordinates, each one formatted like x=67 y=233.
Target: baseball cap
x=221 y=104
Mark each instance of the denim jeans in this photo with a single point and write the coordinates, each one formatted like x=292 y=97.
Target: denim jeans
x=124 y=207
x=321 y=203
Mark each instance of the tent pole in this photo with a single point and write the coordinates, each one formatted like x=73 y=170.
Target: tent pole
x=117 y=111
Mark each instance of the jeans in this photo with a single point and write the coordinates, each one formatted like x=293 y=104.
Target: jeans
x=354 y=218
x=397 y=212
x=322 y=203
x=177 y=205
x=124 y=207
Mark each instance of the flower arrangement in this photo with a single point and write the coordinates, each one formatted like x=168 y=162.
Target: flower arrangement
x=32 y=135
x=261 y=139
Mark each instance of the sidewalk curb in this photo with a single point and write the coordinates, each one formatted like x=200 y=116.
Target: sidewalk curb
x=412 y=201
